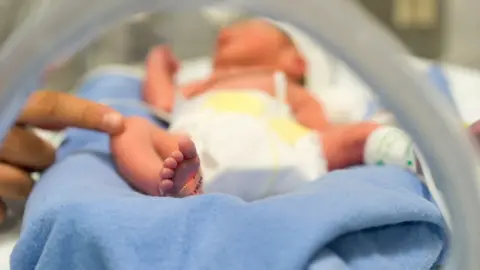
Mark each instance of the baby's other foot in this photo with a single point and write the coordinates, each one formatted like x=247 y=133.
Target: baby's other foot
x=180 y=175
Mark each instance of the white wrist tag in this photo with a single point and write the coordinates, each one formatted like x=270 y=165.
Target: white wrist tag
x=390 y=146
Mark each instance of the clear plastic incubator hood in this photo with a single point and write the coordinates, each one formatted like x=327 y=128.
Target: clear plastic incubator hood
x=64 y=26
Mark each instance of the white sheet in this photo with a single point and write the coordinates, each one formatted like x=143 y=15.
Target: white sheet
x=350 y=96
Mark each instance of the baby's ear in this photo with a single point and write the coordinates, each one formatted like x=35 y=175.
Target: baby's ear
x=300 y=66
x=294 y=64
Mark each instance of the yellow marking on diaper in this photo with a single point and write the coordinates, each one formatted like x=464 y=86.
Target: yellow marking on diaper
x=288 y=130
x=236 y=102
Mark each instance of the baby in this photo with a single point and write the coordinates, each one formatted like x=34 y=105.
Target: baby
x=252 y=113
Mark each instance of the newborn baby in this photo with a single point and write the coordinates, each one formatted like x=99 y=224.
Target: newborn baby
x=252 y=113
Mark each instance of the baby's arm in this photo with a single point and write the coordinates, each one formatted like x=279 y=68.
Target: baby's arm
x=353 y=144
x=344 y=145
x=306 y=109
x=159 y=87
x=369 y=143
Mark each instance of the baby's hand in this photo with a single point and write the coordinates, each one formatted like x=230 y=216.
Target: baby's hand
x=161 y=66
x=169 y=61
x=474 y=130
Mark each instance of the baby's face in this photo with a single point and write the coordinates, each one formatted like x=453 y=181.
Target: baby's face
x=247 y=43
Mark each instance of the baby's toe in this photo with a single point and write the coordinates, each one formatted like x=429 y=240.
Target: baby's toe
x=166 y=173
x=170 y=163
x=187 y=148
x=177 y=156
x=164 y=187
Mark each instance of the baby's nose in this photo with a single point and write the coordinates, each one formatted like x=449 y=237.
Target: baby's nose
x=223 y=37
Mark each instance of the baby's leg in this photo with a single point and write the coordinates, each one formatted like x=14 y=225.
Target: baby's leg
x=154 y=161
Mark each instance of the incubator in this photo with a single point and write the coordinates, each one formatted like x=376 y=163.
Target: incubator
x=66 y=26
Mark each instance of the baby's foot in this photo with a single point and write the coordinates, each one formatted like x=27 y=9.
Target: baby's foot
x=180 y=175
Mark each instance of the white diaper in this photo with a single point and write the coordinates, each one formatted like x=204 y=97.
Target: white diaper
x=250 y=142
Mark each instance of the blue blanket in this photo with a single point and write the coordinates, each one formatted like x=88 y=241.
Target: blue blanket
x=81 y=215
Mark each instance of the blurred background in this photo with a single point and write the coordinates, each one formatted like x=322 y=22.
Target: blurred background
x=444 y=30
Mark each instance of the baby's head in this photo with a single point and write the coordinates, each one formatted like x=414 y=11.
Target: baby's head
x=258 y=43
